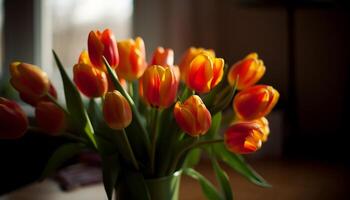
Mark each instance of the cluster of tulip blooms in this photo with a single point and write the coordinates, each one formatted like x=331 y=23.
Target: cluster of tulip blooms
x=157 y=111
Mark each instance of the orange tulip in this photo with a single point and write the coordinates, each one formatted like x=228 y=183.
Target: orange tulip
x=264 y=125
x=204 y=73
x=103 y=44
x=116 y=110
x=244 y=137
x=255 y=102
x=13 y=120
x=250 y=70
x=29 y=79
x=158 y=86
x=50 y=117
x=91 y=81
x=188 y=56
x=163 y=57
x=33 y=100
x=132 y=59
x=192 y=116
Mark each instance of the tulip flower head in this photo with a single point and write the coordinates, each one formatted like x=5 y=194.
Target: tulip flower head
x=132 y=59
x=192 y=116
x=91 y=81
x=243 y=137
x=13 y=120
x=29 y=79
x=249 y=70
x=50 y=117
x=163 y=57
x=116 y=110
x=158 y=86
x=263 y=123
x=34 y=100
x=188 y=56
x=255 y=102
x=204 y=73
x=103 y=44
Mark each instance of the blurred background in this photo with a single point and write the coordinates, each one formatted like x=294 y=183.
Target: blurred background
x=304 y=45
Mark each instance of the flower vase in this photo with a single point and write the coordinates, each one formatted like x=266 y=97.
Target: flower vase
x=159 y=188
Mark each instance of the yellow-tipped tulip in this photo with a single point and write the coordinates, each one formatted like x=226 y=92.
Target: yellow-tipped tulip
x=103 y=44
x=192 y=116
x=163 y=57
x=264 y=125
x=132 y=59
x=244 y=137
x=116 y=110
x=249 y=70
x=50 y=117
x=29 y=79
x=92 y=82
x=255 y=102
x=13 y=120
x=158 y=86
x=204 y=73
x=188 y=56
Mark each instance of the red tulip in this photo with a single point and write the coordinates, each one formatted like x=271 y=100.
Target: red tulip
x=13 y=120
x=249 y=70
x=192 y=116
x=103 y=44
x=132 y=59
x=255 y=102
x=158 y=86
x=116 y=110
x=50 y=117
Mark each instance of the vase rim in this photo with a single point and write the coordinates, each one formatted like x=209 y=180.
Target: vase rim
x=175 y=174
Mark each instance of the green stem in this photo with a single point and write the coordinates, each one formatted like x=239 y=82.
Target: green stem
x=130 y=89
x=130 y=151
x=155 y=125
x=192 y=146
x=53 y=100
x=186 y=93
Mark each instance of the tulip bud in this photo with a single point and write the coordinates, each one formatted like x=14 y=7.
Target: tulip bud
x=50 y=117
x=158 y=86
x=192 y=116
x=255 y=102
x=13 y=120
x=91 y=81
x=242 y=138
x=249 y=70
x=33 y=100
x=132 y=59
x=163 y=57
x=263 y=123
x=103 y=44
x=116 y=110
x=29 y=79
x=188 y=56
x=204 y=73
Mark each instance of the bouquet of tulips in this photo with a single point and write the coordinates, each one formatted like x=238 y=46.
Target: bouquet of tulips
x=147 y=120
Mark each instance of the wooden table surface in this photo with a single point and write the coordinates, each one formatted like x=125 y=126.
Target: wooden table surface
x=290 y=180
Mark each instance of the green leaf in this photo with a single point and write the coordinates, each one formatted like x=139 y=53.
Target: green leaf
x=208 y=189
x=223 y=180
x=214 y=128
x=62 y=154
x=77 y=112
x=137 y=133
x=110 y=172
x=237 y=163
x=192 y=158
